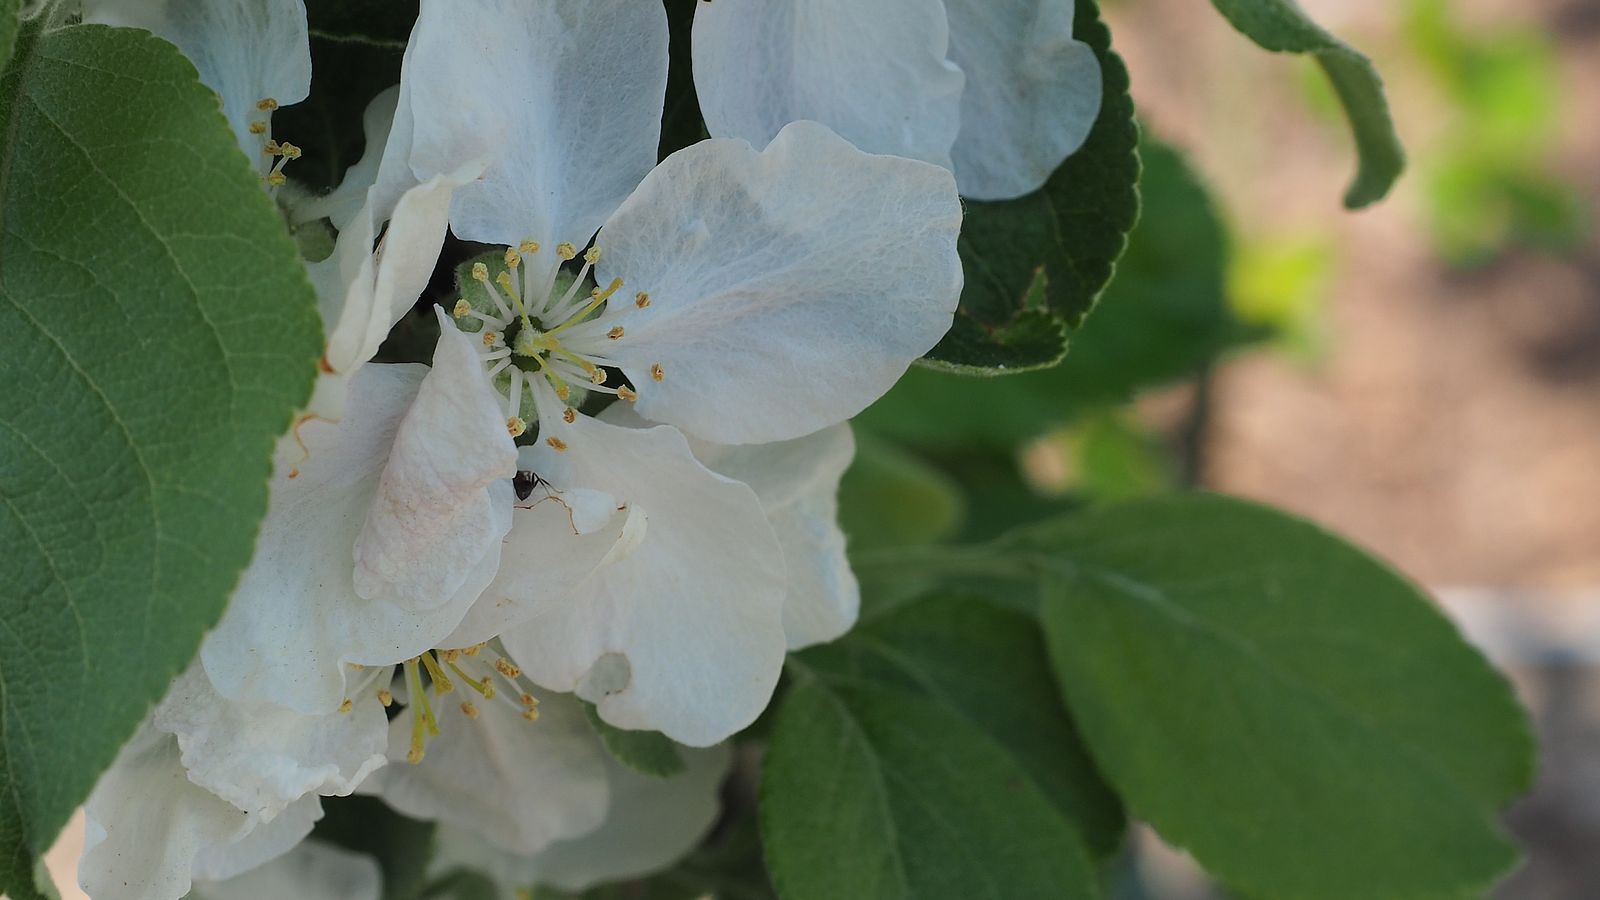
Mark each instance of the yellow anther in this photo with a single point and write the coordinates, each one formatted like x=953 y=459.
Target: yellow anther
x=592 y=255
x=441 y=682
x=558 y=444
x=565 y=250
x=480 y=272
x=532 y=715
x=598 y=376
x=657 y=373
x=449 y=656
x=276 y=179
x=469 y=710
x=258 y=128
x=461 y=308
x=513 y=258
x=415 y=754
x=615 y=333
x=491 y=338
x=529 y=701
x=271 y=148
x=347 y=705
x=385 y=697
x=516 y=426
x=507 y=668
x=266 y=104
x=569 y=415
x=529 y=247
x=563 y=392
x=356 y=666
x=474 y=650
x=486 y=688
x=627 y=393
x=289 y=150
x=641 y=299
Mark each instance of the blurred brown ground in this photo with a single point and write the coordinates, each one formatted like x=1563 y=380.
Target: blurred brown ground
x=1453 y=425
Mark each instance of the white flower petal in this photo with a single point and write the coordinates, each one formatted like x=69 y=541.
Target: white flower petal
x=1032 y=93
x=515 y=783
x=341 y=204
x=651 y=823
x=788 y=288
x=267 y=841
x=680 y=629
x=311 y=871
x=147 y=822
x=245 y=50
x=380 y=285
x=261 y=757
x=557 y=539
x=296 y=618
x=435 y=512
x=874 y=72
x=564 y=98
x=797 y=483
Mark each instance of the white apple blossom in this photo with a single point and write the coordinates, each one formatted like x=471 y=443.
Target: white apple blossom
x=996 y=90
x=743 y=297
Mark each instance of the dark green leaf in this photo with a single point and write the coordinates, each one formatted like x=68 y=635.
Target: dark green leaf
x=681 y=124
x=402 y=846
x=159 y=332
x=10 y=24
x=926 y=756
x=646 y=752
x=1295 y=714
x=1033 y=339
x=1054 y=249
x=1164 y=316
x=1280 y=26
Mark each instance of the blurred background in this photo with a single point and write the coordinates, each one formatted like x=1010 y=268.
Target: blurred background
x=1422 y=377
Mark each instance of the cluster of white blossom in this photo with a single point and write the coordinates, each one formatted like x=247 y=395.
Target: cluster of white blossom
x=456 y=558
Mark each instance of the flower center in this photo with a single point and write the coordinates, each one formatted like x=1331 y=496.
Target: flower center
x=476 y=668
x=533 y=333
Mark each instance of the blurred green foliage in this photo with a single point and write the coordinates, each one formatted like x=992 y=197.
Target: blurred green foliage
x=1487 y=179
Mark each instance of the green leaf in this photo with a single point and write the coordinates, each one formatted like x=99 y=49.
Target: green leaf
x=159 y=332
x=890 y=497
x=10 y=24
x=926 y=755
x=1292 y=712
x=403 y=846
x=1280 y=26
x=646 y=752
x=1052 y=250
x=1165 y=316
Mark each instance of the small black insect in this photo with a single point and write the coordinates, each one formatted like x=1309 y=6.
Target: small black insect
x=525 y=481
